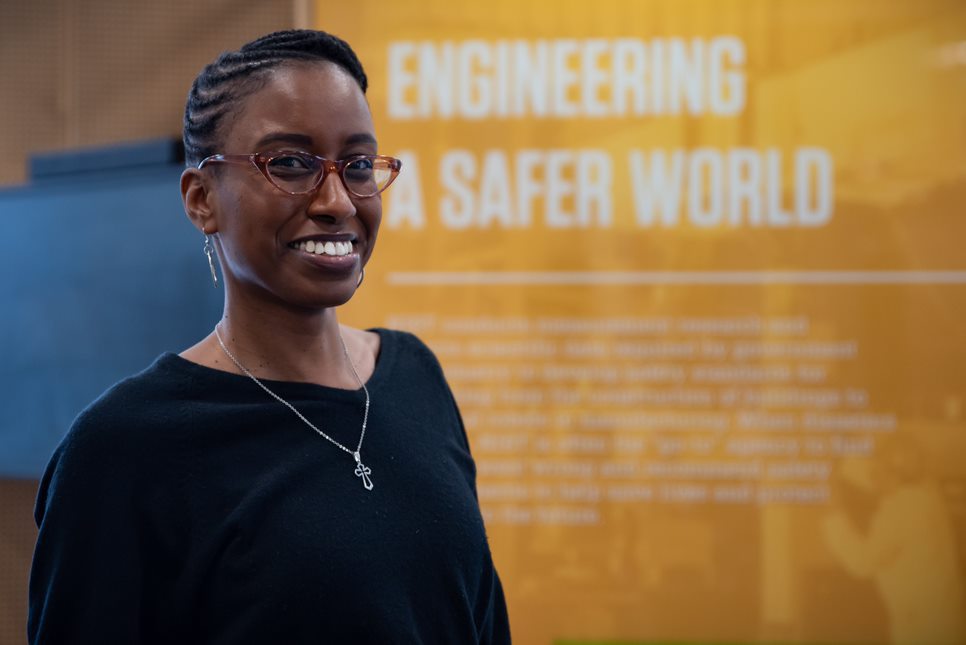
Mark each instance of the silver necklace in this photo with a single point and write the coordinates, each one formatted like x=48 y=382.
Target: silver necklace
x=362 y=470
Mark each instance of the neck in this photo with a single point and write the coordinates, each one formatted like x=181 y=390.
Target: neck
x=285 y=344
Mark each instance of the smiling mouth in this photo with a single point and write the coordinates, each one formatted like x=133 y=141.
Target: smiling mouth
x=334 y=249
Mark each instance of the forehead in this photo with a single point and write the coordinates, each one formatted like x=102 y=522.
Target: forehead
x=318 y=100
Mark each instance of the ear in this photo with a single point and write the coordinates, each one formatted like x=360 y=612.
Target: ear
x=197 y=200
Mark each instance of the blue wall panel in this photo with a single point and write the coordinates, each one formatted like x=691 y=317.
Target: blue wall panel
x=99 y=274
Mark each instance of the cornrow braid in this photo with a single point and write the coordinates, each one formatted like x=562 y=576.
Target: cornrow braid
x=234 y=75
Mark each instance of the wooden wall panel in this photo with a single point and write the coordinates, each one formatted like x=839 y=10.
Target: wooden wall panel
x=17 y=537
x=103 y=71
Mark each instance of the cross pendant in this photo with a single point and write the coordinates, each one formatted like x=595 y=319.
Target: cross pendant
x=363 y=471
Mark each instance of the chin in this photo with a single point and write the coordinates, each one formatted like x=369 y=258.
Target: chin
x=333 y=298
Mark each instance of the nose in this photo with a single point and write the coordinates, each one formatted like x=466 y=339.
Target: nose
x=331 y=200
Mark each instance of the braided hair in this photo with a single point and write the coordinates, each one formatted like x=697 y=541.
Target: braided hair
x=234 y=75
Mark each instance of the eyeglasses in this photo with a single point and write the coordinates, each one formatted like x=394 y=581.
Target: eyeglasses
x=299 y=173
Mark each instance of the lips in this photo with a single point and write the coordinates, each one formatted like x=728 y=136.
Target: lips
x=335 y=252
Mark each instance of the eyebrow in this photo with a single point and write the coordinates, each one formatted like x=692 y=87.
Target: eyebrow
x=305 y=140
x=362 y=137
x=284 y=137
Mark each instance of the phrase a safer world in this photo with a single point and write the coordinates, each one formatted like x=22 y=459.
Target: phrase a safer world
x=469 y=187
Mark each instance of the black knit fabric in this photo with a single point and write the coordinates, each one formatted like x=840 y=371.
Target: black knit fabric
x=187 y=506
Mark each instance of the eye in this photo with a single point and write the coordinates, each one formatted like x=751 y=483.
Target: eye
x=359 y=169
x=291 y=165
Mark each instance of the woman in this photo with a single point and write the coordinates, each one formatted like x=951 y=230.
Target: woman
x=286 y=479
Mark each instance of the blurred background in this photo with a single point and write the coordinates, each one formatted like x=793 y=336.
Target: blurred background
x=694 y=270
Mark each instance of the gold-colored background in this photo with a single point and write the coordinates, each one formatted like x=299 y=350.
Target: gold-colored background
x=882 y=86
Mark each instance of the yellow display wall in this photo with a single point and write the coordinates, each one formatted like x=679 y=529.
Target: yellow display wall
x=695 y=272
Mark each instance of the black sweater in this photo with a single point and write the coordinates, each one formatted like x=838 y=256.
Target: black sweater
x=186 y=505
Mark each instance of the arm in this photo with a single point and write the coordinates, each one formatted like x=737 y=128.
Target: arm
x=490 y=611
x=95 y=569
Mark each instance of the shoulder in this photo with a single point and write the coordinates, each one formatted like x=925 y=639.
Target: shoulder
x=409 y=348
x=128 y=418
x=401 y=362
x=117 y=441
x=410 y=368
x=137 y=398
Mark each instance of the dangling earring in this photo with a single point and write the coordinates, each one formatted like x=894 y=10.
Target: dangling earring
x=362 y=276
x=210 y=251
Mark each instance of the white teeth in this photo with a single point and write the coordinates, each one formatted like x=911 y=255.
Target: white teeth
x=324 y=248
